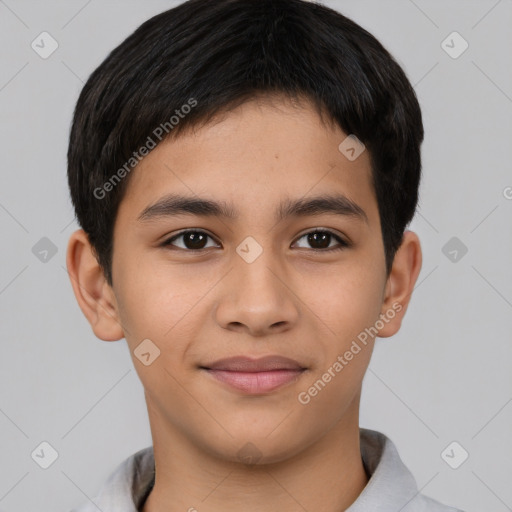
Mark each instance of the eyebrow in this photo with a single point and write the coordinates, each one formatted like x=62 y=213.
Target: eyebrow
x=175 y=204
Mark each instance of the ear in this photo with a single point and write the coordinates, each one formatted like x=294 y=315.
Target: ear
x=92 y=291
x=400 y=284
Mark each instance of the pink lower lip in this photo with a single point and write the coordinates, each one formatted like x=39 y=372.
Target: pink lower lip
x=256 y=382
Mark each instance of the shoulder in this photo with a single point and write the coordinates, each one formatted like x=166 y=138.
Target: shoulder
x=391 y=485
x=126 y=486
x=425 y=504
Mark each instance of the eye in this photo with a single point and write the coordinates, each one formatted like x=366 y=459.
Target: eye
x=322 y=238
x=193 y=240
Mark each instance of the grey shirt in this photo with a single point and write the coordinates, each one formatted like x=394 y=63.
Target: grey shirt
x=391 y=487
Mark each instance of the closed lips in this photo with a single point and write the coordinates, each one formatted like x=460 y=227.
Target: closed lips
x=255 y=376
x=250 y=365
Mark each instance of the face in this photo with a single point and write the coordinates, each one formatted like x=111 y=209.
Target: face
x=203 y=287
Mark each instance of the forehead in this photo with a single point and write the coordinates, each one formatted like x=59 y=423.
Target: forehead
x=251 y=158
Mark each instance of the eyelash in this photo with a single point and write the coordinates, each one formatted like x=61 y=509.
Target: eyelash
x=343 y=244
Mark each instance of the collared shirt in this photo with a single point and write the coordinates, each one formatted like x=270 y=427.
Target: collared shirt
x=391 y=486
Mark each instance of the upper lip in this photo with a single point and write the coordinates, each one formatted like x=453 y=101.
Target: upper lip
x=247 y=364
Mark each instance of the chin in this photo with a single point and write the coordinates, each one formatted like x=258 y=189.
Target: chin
x=257 y=449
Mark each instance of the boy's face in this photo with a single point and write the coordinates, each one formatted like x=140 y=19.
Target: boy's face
x=200 y=306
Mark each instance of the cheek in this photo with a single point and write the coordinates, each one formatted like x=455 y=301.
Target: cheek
x=154 y=306
x=345 y=304
x=349 y=310
x=165 y=306
x=152 y=300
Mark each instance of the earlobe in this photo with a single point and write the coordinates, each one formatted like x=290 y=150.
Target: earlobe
x=92 y=291
x=400 y=284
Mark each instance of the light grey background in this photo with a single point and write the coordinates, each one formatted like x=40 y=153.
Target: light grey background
x=446 y=376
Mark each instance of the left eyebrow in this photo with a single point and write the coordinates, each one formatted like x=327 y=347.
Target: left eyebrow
x=175 y=204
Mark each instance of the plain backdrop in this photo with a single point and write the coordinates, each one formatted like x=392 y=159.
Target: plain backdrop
x=445 y=377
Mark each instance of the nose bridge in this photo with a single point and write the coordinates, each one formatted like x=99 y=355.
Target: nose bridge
x=256 y=295
x=256 y=266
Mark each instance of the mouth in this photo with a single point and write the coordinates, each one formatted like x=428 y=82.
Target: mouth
x=255 y=376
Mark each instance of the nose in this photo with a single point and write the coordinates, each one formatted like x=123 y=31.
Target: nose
x=257 y=298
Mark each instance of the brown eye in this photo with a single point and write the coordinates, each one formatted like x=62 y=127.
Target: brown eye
x=192 y=240
x=320 y=240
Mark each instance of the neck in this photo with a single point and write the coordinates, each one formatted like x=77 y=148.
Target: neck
x=328 y=475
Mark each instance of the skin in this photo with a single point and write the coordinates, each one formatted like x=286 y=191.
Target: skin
x=292 y=300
